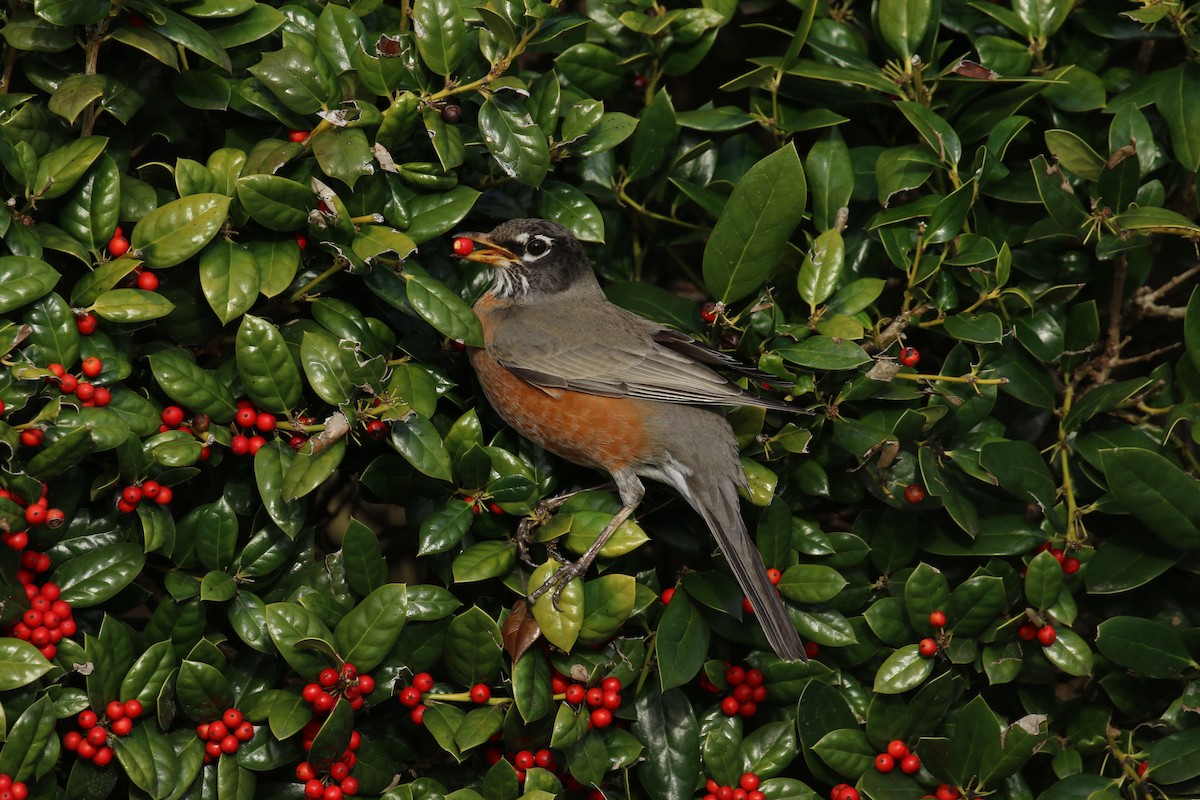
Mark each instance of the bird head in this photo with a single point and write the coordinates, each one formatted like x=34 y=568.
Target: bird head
x=531 y=258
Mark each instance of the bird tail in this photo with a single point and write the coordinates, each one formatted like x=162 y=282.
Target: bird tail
x=717 y=503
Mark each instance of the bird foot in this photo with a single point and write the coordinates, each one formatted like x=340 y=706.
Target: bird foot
x=558 y=581
x=537 y=518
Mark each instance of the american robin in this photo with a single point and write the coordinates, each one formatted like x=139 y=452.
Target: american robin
x=606 y=388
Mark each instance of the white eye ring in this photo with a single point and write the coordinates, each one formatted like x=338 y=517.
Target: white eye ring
x=537 y=247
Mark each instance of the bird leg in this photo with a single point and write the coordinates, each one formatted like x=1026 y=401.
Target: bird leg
x=536 y=519
x=631 y=490
x=573 y=569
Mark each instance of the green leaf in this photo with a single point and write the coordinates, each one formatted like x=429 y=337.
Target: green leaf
x=131 y=306
x=682 y=642
x=366 y=634
x=266 y=367
x=442 y=308
x=1144 y=646
x=830 y=174
x=192 y=387
x=903 y=24
x=1176 y=101
x=173 y=233
x=275 y=202
x=825 y=353
x=473 y=653
x=822 y=268
x=288 y=624
x=1158 y=493
x=98 y=575
x=20 y=664
x=666 y=726
x=755 y=225
x=441 y=34
x=229 y=279
x=30 y=742
x=271 y=464
x=512 y=137
x=59 y=170
x=656 y=134
x=570 y=207
x=203 y=690
x=23 y=280
x=560 y=625
x=304 y=83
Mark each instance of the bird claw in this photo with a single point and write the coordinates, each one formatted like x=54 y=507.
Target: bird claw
x=562 y=576
x=537 y=518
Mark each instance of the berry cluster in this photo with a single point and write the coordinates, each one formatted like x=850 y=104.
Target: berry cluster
x=944 y=791
x=338 y=782
x=774 y=576
x=252 y=422
x=746 y=692
x=48 y=620
x=524 y=760
x=928 y=646
x=1070 y=565
x=36 y=513
x=1044 y=634
x=92 y=743
x=844 y=791
x=148 y=490
x=89 y=394
x=224 y=735
x=603 y=700
x=747 y=789
x=331 y=684
x=897 y=754
x=12 y=790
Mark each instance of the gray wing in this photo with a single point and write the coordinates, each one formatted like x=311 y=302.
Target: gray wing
x=616 y=353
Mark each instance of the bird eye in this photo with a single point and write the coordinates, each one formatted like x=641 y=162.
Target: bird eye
x=537 y=247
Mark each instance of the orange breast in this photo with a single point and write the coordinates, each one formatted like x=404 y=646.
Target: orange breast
x=604 y=432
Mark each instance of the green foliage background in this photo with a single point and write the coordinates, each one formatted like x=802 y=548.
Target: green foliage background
x=836 y=175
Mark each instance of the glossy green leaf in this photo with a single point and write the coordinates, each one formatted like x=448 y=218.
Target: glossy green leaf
x=173 y=233
x=266 y=367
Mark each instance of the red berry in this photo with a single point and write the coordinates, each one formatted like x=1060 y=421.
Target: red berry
x=172 y=416
x=85 y=749
x=1027 y=631
x=544 y=759
x=244 y=731
x=103 y=757
x=601 y=717
x=115 y=710
x=927 y=647
x=165 y=494
x=422 y=681
x=709 y=312
x=1070 y=565
x=1046 y=635
x=232 y=718
x=910 y=764
x=910 y=356
x=410 y=697
x=72 y=740
x=314 y=789
x=101 y=397
x=377 y=429
x=301 y=240
x=297 y=136
x=366 y=684
x=754 y=677
x=332 y=793
x=914 y=493
x=229 y=744
x=35 y=514
x=576 y=694
x=265 y=422
x=524 y=759
x=938 y=619
x=774 y=576
x=85 y=392
x=480 y=693
x=132 y=495
x=118 y=246
x=349 y=786
x=612 y=700
x=305 y=771
x=97 y=736
x=611 y=684
x=323 y=703
x=666 y=596
x=748 y=781
x=735 y=675
x=246 y=417
x=92 y=366
x=122 y=726
x=595 y=697
x=147 y=281
x=897 y=749
x=338 y=770
x=1142 y=767
x=884 y=763
x=463 y=246
x=730 y=706
x=133 y=708
x=256 y=443
x=417 y=715
x=32 y=437
x=86 y=323
x=747 y=606
x=947 y=792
